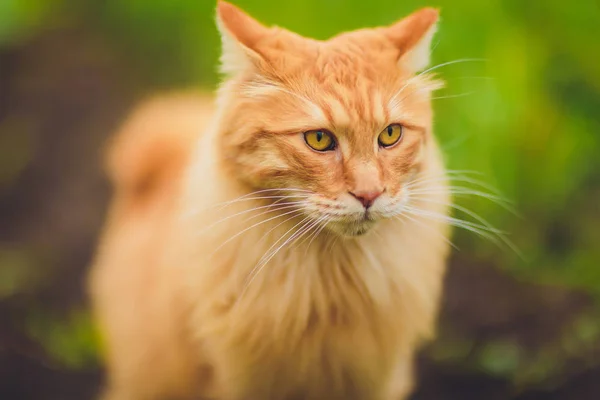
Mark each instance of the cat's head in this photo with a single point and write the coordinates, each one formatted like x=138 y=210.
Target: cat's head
x=341 y=125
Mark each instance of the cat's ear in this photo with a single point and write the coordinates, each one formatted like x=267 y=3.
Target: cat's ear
x=412 y=35
x=240 y=34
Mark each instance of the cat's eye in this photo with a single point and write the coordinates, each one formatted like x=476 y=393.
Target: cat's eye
x=390 y=135
x=319 y=140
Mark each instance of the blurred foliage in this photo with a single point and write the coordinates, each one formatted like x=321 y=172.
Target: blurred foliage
x=72 y=343
x=521 y=109
x=22 y=18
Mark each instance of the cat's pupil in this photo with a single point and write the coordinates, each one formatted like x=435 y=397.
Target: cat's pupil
x=319 y=136
x=390 y=130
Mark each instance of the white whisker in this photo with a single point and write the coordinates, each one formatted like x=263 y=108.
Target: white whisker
x=249 y=196
x=496 y=236
x=316 y=233
x=457 y=223
x=271 y=206
x=452 y=96
x=477 y=217
x=452 y=176
x=395 y=101
x=269 y=253
x=463 y=191
x=297 y=193
x=297 y=235
x=294 y=212
x=452 y=220
x=424 y=185
x=460 y=176
x=460 y=60
x=424 y=225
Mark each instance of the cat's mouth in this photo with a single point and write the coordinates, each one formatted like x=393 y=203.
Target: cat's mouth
x=343 y=219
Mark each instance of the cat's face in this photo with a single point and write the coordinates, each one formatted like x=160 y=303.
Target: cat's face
x=340 y=126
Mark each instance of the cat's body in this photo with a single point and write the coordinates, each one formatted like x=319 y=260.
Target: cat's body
x=200 y=286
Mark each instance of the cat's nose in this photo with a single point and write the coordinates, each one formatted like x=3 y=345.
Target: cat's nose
x=367 y=197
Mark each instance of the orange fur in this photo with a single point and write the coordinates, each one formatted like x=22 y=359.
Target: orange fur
x=191 y=297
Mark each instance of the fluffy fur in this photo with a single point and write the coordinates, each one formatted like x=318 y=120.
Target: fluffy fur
x=236 y=263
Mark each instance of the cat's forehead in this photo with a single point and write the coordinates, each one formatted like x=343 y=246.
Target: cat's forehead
x=363 y=54
x=353 y=83
x=347 y=84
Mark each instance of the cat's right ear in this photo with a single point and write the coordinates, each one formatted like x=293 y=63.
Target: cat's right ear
x=240 y=35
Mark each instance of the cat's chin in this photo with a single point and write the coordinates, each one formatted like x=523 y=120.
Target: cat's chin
x=352 y=229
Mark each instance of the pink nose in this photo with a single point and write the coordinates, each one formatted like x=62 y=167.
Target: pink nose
x=367 y=198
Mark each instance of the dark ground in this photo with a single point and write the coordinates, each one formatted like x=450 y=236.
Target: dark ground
x=58 y=103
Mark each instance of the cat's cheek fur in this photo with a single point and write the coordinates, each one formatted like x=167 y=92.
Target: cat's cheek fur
x=272 y=160
x=400 y=164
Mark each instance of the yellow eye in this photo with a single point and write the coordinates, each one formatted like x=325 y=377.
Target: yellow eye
x=319 y=140
x=390 y=135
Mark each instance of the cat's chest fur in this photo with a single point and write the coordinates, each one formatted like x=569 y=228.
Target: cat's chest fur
x=329 y=320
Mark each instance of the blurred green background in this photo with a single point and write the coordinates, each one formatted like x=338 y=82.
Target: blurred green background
x=524 y=115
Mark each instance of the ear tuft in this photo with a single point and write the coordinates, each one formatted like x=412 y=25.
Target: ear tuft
x=412 y=35
x=240 y=34
x=242 y=27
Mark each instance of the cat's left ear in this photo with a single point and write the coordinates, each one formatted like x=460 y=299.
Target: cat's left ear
x=240 y=35
x=412 y=35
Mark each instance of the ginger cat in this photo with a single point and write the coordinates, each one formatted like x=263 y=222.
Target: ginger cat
x=279 y=245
